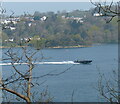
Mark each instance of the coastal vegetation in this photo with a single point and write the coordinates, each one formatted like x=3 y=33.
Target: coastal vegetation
x=62 y=29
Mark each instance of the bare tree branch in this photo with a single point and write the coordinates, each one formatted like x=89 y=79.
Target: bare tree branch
x=17 y=94
x=108 y=10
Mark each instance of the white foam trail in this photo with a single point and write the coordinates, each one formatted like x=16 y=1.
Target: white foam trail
x=54 y=63
x=11 y=63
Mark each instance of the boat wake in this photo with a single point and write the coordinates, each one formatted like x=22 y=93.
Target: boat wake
x=45 y=63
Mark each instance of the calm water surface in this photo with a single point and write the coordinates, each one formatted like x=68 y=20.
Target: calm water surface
x=82 y=79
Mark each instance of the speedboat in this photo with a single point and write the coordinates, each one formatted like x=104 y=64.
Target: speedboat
x=83 y=61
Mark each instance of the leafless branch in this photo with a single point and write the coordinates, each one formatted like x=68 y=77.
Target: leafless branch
x=107 y=90
x=53 y=74
x=107 y=10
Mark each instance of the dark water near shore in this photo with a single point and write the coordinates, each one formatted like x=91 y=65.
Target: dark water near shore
x=81 y=79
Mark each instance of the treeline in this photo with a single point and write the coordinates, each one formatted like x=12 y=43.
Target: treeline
x=61 y=29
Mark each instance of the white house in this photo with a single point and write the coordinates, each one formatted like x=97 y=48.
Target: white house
x=43 y=18
x=97 y=14
x=29 y=24
x=7 y=21
x=11 y=40
x=12 y=28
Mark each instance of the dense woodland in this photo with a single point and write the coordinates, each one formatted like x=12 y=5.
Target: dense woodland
x=60 y=29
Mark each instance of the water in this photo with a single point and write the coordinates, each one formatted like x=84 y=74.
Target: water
x=82 y=79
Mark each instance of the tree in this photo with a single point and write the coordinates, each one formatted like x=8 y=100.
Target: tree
x=27 y=77
x=107 y=88
x=20 y=82
x=105 y=9
x=38 y=42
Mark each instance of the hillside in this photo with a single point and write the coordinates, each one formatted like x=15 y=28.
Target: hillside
x=58 y=29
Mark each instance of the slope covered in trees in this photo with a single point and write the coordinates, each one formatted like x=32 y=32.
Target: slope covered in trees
x=59 y=29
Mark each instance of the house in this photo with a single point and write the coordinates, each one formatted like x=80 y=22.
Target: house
x=43 y=18
x=29 y=24
x=12 y=28
x=6 y=22
x=11 y=40
x=78 y=19
x=97 y=14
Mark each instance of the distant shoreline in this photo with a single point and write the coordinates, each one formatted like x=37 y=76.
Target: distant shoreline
x=10 y=47
x=56 y=47
x=78 y=46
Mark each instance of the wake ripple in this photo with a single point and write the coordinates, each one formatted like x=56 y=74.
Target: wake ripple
x=53 y=63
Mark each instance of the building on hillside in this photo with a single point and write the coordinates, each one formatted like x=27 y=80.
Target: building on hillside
x=97 y=14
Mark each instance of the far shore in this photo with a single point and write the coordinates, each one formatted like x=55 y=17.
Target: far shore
x=78 y=46
x=11 y=47
x=56 y=47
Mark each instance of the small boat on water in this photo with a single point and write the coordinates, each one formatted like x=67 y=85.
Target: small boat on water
x=83 y=61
